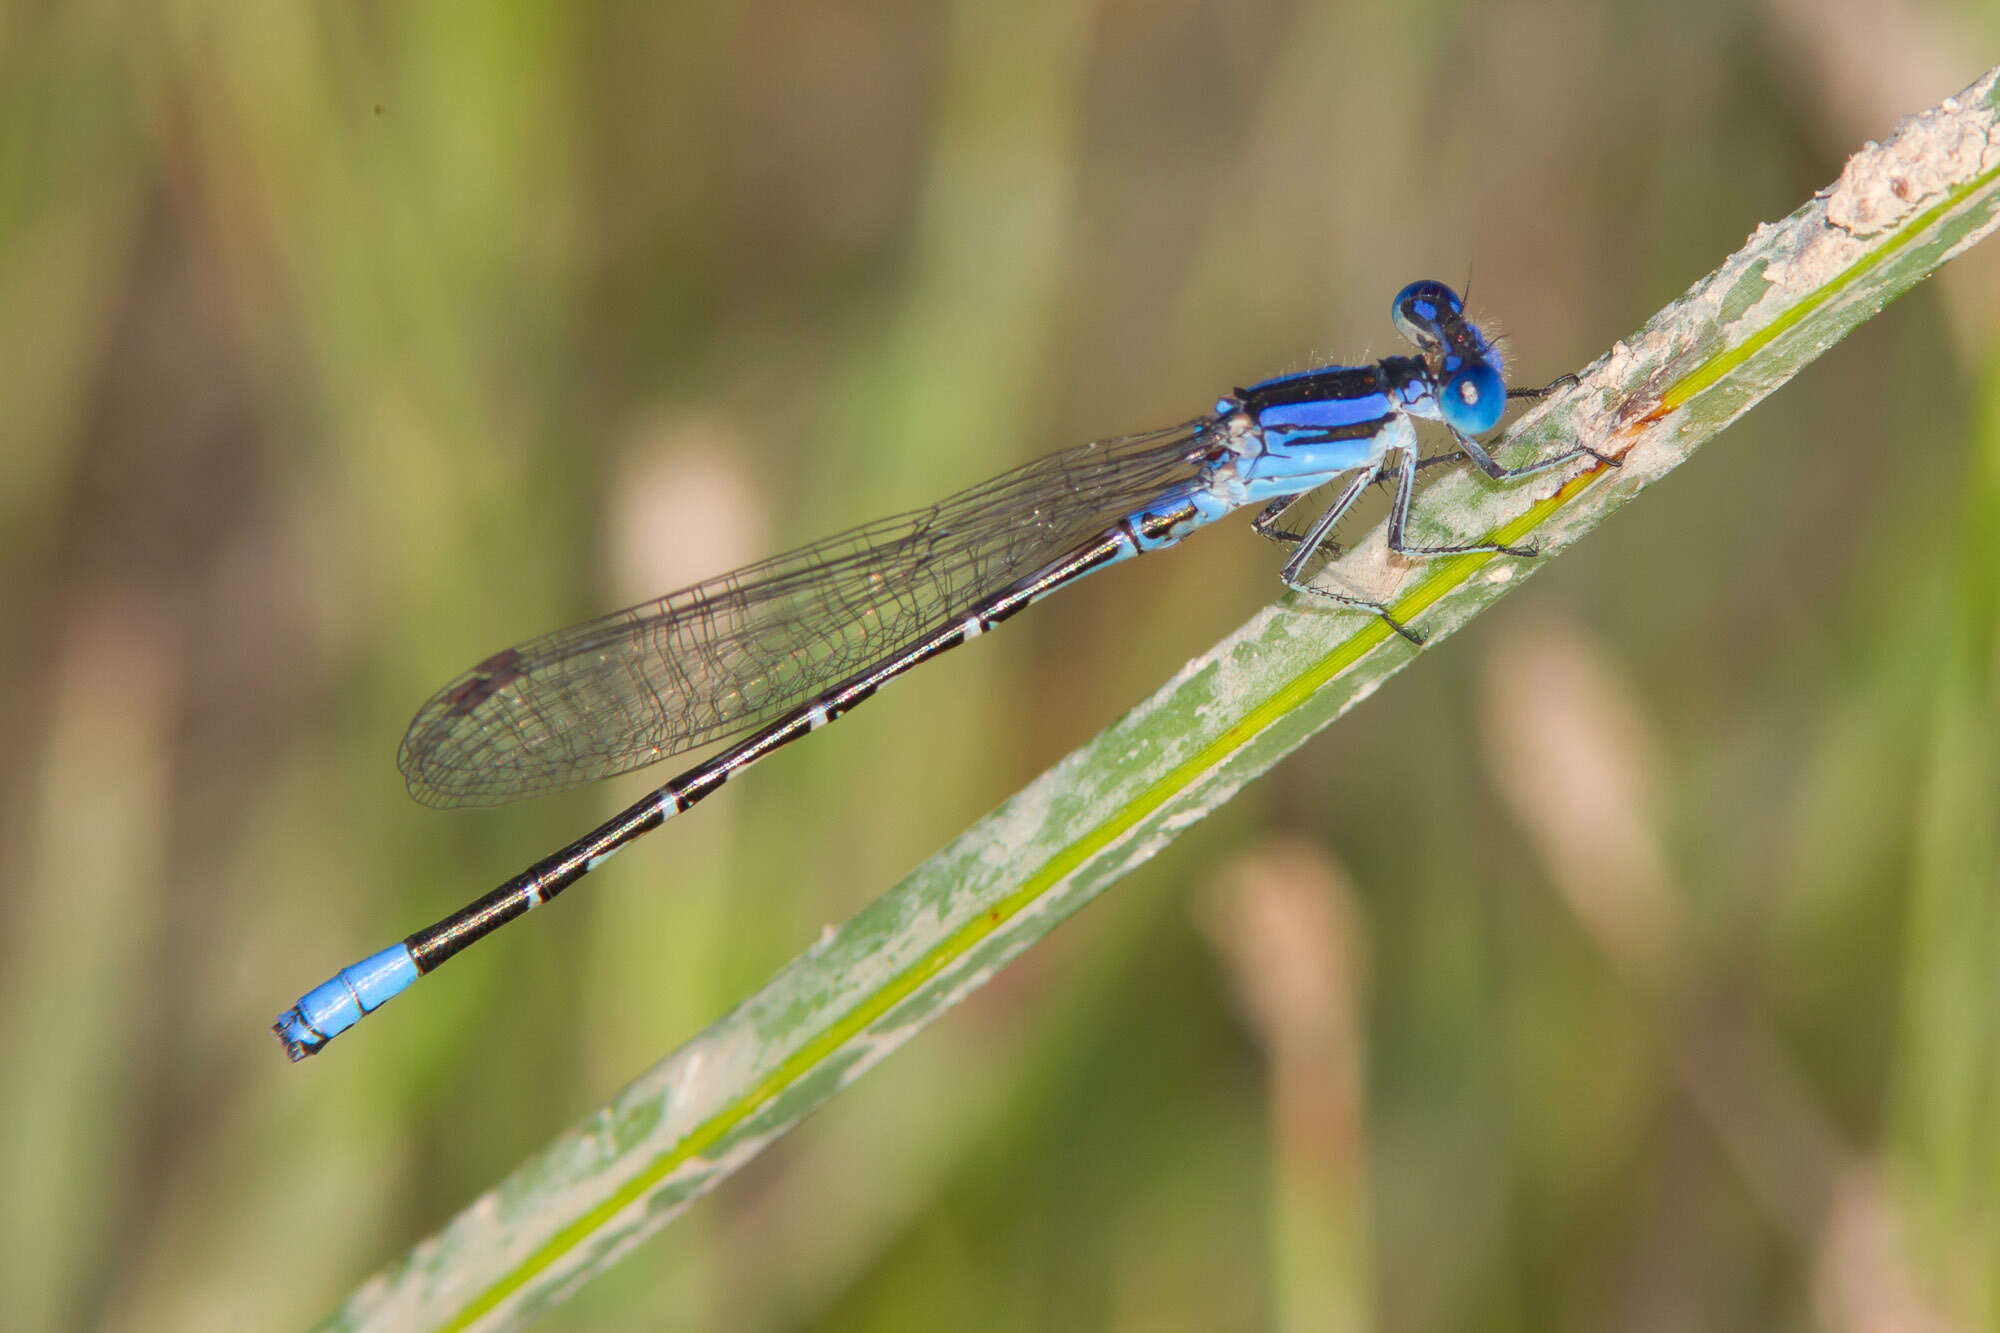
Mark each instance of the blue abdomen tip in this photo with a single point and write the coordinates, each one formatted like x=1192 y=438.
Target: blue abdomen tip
x=335 y=1005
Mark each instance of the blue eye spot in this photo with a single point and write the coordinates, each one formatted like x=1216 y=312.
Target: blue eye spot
x=1473 y=400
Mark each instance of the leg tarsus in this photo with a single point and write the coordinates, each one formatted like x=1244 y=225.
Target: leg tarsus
x=1559 y=382
x=1470 y=548
x=1360 y=604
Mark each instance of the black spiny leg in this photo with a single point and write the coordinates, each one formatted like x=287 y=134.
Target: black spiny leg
x=1559 y=382
x=1486 y=463
x=1310 y=542
x=1265 y=524
x=1399 y=517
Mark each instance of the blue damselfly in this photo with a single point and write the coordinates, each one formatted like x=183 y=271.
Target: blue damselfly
x=778 y=649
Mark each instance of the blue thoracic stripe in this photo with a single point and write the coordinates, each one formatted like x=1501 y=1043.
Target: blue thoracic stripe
x=1347 y=419
x=812 y=634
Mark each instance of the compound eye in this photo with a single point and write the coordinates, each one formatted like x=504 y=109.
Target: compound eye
x=1423 y=309
x=1473 y=399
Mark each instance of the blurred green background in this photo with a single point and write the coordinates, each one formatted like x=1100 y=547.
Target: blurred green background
x=1633 y=961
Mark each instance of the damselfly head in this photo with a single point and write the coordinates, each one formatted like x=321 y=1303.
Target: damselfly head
x=1464 y=365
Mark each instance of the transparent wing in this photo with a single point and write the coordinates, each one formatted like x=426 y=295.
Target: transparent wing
x=728 y=655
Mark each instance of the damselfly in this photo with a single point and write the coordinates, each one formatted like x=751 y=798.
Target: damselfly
x=776 y=650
